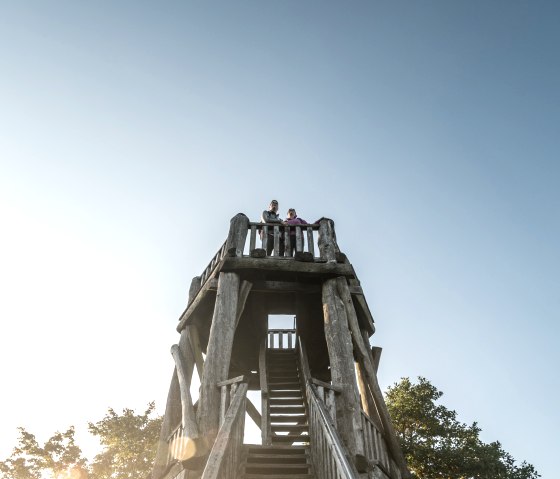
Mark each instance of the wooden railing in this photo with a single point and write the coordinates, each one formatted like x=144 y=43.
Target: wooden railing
x=327 y=451
x=328 y=454
x=303 y=240
x=223 y=461
x=212 y=264
x=281 y=339
x=177 y=445
x=376 y=450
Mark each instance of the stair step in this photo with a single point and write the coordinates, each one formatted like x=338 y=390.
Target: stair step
x=277 y=459
x=290 y=428
x=294 y=420
x=280 y=410
x=286 y=401
x=290 y=438
x=284 y=385
x=292 y=450
x=278 y=476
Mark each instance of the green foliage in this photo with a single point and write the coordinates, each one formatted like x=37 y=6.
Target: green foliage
x=58 y=458
x=128 y=443
x=438 y=446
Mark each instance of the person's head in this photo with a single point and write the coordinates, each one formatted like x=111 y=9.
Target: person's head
x=291 y=213
x=273 y=206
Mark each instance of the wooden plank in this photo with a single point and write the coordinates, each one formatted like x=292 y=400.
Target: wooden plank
x=286 y=265
x=323 y=384
x=191 y=308
x=244 y=291
x=253 y=413
x=227 y=382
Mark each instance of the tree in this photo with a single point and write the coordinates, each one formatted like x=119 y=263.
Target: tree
x=129 y=444
x=438 y=446
x=58 y=458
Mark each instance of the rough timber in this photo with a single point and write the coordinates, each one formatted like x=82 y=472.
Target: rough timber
x=322 y=414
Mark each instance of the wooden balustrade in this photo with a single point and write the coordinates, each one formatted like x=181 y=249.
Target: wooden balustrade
x=327 y=451
x=303 y=240
x=281 y=338
x=227 y=391
x=223 y=461
x=376 y=450
x=212 y=265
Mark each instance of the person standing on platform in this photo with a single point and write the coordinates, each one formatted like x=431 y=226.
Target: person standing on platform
x=293 y=219
x=272 y=217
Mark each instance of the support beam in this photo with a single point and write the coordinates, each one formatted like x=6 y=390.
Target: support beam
x=339 y=343
x=188 y=416
x=365 y=359
x=220 y=343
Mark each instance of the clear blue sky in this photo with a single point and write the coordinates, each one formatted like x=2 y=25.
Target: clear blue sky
x=131 y=132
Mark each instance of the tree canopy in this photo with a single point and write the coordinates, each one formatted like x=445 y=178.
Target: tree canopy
x=128 y=443
x=438 y=446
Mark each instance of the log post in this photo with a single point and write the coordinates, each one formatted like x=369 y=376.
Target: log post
x=238 y=228
x=365 y=359
x=174 y=408
x=220 y=343
x=327 y=240
x=339 y=343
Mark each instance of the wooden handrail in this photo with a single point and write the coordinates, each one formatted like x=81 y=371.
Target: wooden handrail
x=223 y=460
x=328 y=453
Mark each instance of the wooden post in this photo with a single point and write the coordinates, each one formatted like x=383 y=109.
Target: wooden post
x=238 y=228
x=365 y=358
x=327 y=242
x=173 y=409
x=339 y=343
x=220 y=343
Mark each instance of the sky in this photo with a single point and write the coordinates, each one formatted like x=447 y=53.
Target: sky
x=131 y=132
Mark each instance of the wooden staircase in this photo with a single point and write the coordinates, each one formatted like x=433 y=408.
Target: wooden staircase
x=287 y=457
x=277 y=462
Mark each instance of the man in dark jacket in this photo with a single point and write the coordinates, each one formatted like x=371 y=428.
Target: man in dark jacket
x=272 y=217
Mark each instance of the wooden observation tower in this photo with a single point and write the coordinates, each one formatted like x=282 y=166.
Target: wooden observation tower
x=321 y=413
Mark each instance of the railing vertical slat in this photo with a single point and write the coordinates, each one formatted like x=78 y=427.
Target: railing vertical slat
x=253 y=238
x=299 y=239
x=310 y=244
x=264 y=237
x=276 y=241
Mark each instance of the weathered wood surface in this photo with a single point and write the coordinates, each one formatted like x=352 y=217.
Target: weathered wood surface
x=216 y=367
x=266 y=431
x=209 y=286
x=184 y=375
x=339 y=343
x=363 y=353
x=287 y=265
x=327 y=240
x=173 y=411
x=329 y=454
x=223 y=461
x=235 y=243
